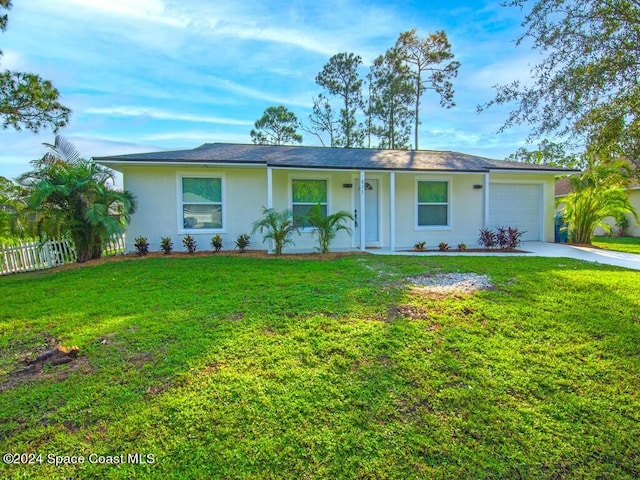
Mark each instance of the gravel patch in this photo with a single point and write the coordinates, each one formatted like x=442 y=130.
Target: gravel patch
x=448 y=283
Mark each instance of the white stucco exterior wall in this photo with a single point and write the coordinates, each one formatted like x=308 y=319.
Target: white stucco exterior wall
x=245 y=193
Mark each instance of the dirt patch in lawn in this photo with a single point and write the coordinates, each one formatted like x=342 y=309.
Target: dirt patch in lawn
x=444 y=284
x=54 y=363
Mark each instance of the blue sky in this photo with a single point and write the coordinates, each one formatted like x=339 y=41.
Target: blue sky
x=147 y=75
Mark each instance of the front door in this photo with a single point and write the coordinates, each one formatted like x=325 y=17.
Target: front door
x=372 y=235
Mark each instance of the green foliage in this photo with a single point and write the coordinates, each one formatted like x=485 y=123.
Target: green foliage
x=277 y=126
x=618 y=244
x=548 y=153
x=585 y=89
x=216 y=243
x=340 y=78
x=242 y=242
x=276 y=226
x=166 y=245
x=326 y=227
x=70 y=196
x=432 y=67
x=600 y=192
x=190 y=244
x=26 y=100
x=462 y=247
x=419 y=246
x=238 y=367
x=141 y=245
x=391 y=99
x=443 y=246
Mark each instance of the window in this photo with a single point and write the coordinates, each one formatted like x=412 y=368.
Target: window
x=201 y=203
x=307 y=193
x=433 y=204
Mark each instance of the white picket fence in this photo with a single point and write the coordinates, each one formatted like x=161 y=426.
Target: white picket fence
x=27 y=257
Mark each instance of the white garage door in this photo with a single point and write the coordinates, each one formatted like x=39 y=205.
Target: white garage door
x=516 y=205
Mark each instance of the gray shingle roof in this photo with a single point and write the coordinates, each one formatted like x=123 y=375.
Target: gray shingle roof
x=328 y=158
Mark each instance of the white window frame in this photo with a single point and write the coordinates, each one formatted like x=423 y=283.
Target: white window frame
x=325 y=178
x=180 y=204
x=417 y=204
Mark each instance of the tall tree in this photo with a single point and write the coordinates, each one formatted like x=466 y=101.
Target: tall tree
x=431 y=62
x=75 y=197
x=277 y=126
x=26 y=100
x=340 y=78
x=322 y=121
x=391 y=100
x=586 y=88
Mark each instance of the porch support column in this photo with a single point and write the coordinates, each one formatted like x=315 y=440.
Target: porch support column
x=392 y=211
x=486 y=200
x=269 y=187
x=361 y=213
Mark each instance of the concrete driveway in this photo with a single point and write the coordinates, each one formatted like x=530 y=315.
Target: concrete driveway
x=588 y=254
x=543 y=249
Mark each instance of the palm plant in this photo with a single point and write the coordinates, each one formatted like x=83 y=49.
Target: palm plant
x=74 y=197
x=326 y=227
x=600 y=192
x=276 y=226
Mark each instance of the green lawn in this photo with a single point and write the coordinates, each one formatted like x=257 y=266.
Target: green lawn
x=620 y=244
x=237 y=367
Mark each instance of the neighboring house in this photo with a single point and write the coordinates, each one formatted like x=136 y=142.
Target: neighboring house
x=398 y=197
x=563 y=188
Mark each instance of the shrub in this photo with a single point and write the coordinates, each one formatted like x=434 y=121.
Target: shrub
x=502 y=237
x=462 y=247
x=276 y=226
x=419 y=246
x=166 y=245
x=443 y=246
x=514 y=238
x=142 y=246
x=216 y=243
x=487 y=238
x=242 y=242
x=326 y=227
x=190 y=244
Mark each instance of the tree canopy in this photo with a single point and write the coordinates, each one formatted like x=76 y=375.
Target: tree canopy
x=431 y=63
x=392 y=95
x=277 y=126
x=340 y=78
x=27 y=100
x=585 y=90
x=74 y=197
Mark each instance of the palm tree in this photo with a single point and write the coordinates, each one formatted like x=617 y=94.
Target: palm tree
x=75 y=197
x=600 y=192
x=327 y=227
x=276 y=226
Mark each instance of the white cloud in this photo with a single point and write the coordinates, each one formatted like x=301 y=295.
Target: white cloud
x=146 y=10
x=163 y=115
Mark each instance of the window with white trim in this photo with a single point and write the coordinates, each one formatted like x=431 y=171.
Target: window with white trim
x=305 y=193
x=433 y=203
x=201 y=199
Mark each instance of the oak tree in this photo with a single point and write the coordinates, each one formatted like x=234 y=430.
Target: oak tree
x=585 y=91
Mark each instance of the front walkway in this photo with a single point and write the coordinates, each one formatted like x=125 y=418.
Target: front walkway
x=543 y=249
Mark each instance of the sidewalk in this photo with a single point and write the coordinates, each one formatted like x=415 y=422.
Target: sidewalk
x=543 y=249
